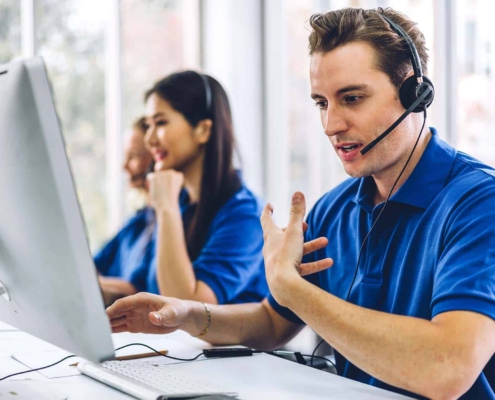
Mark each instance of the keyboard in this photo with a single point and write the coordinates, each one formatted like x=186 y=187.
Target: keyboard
x=148 y=380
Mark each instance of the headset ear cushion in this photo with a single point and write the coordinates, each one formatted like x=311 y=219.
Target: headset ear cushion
x=407 y=93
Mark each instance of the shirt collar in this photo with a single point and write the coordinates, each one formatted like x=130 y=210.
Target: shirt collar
x=365 y=194
x=425 y=182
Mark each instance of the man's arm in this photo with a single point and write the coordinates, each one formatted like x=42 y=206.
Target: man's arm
x=439 y=359
x=255 y=325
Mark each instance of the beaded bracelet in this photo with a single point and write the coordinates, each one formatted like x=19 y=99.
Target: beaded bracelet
x=208 y=316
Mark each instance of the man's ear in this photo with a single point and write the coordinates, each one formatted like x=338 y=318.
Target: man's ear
x=202 y=132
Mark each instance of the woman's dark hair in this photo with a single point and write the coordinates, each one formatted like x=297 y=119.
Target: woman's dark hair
x=187 y=93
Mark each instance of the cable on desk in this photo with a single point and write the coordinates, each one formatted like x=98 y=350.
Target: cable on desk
x=323 y=358
x=120 y=348
x=296 y=354
x=160 y=354
x=314 y=352
x=37 y=369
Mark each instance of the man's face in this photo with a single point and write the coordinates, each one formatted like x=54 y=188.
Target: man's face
x=137 y=159
x=358 y=103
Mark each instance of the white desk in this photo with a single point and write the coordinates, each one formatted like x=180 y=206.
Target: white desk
x=258 y=377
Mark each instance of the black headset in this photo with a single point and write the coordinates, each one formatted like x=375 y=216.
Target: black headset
x=416 y=92
x=414 y=86
x=208 y=93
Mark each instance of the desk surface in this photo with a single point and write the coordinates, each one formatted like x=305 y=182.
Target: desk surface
x=258 y=377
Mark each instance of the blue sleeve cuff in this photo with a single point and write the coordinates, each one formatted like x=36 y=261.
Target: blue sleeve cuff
x=479 y=305
x=139 y=283
x=102 y=263
x=214 y=284
x=284 y=311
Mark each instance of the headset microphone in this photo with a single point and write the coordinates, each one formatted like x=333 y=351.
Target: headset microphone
x=420 y=100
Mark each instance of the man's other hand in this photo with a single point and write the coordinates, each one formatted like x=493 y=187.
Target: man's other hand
x=148 y=313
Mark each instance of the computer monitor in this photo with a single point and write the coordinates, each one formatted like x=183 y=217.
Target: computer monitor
x=48 y=279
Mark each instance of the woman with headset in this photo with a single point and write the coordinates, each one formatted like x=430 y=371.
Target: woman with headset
x=208 y=238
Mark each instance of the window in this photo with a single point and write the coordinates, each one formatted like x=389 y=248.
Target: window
x=158 y=37
x=154 y=38
x=314 y=167
x=10 y=30
x=476 y=79
x=70 y=36
x=76 y=39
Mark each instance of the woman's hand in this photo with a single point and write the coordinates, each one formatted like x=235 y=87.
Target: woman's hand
x=165 y=187
x=150 y=313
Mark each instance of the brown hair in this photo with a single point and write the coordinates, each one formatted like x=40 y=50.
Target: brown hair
x=140 y=124
x=337 y=28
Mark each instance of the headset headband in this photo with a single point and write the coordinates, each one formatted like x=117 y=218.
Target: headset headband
x=207 y=91
x=413 y=52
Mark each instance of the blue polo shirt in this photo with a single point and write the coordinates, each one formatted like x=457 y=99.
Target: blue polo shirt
x=123 y=256
x=231 y=261
x=431 y=251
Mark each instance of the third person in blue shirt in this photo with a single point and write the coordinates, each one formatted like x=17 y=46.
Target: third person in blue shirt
x=116 y=261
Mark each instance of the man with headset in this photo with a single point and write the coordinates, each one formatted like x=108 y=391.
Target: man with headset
x=409 y=303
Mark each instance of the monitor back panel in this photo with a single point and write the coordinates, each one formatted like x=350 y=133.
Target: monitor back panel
x=45 y=261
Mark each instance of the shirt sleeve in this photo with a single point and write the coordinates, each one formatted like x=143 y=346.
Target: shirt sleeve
x=465 y=275
x=105 y=258
x=117 y=256
x=232 y=254
x=286 y=312
x=139 y=274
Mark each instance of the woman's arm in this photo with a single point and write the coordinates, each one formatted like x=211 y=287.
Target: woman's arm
x=175 y=273
x=115 y=288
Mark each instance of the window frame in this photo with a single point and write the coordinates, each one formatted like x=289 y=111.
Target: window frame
x=115 y=186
